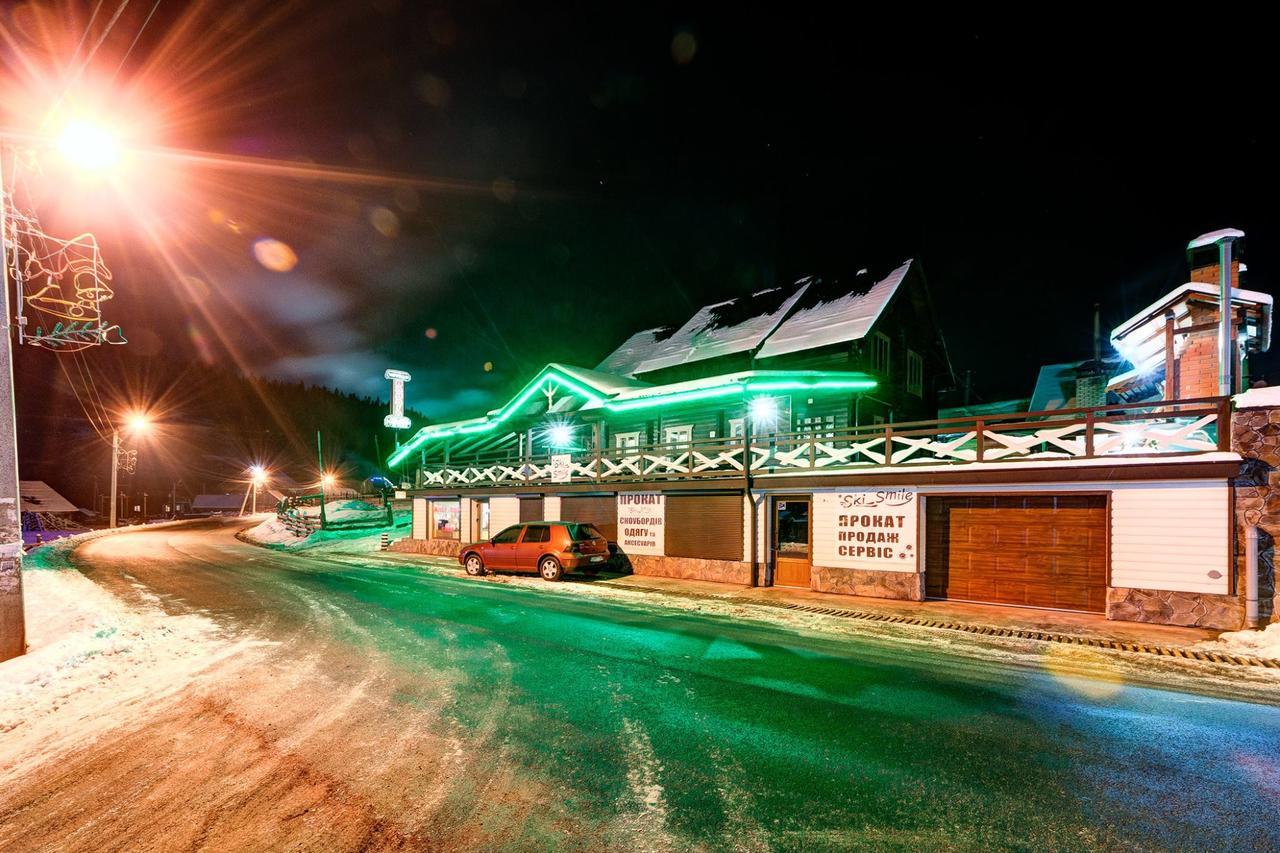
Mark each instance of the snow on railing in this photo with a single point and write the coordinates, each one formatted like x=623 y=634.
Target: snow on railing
x=1166 y=428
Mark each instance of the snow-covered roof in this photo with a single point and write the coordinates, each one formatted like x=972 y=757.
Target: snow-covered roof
x=625 y=359
x=834 y=314
x=1213 y=237
x=604 y=381
x=732 y=326
x=1140 y=339
x=39 y=496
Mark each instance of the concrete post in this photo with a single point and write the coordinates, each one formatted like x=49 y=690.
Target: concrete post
x=13 y=631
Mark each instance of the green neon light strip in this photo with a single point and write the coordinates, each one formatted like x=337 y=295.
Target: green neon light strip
x=738 y=388
x=426 y=433
x=675 y=398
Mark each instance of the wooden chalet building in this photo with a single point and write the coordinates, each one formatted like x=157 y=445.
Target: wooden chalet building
x=789 y=438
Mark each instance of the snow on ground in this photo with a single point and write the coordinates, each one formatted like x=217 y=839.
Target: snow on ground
x=364 y=525
x=93 y=662
x=1262 y=644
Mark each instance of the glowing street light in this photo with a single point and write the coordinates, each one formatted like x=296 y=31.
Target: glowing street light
x=87 y=146
x=257 y=479
x=327 y=481
x=136 y=422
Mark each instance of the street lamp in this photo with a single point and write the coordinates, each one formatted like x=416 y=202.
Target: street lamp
x=89 y=147
x=136 y=423
x=258 y=477
x=85 y=147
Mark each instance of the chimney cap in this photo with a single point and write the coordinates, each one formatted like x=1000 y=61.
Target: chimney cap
x=1215 y=237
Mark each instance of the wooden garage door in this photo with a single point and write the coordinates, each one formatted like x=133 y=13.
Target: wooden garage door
x=531 y=509
x=598 y=510
x=1033 y=550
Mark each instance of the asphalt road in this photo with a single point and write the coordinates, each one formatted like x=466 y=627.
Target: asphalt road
x=394 y=708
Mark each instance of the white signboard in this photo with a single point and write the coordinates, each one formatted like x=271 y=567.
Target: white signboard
x=396 y=420
x=866 y=529
x=561 y=467
x=641 y=520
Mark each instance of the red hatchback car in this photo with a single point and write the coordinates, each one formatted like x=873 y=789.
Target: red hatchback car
x=549 y=548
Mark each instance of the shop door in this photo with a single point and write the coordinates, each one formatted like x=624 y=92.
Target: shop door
x=792 y=551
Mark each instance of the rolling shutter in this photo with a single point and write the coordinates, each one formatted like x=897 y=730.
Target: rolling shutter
x=531 y=509
x=707 y=527
x=1033 y=550
x=598 y=510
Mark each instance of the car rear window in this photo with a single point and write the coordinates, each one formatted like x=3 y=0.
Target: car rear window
x=584 y=532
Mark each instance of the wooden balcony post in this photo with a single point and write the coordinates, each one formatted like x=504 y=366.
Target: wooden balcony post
x=888 y=444
x=980 y=430
x=1088 y=434
x=1170 y=380
x=689 y=462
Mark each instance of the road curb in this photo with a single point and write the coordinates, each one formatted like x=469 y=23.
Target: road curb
x=970 y=628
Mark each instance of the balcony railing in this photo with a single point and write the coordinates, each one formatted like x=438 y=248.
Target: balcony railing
x=1166 y=428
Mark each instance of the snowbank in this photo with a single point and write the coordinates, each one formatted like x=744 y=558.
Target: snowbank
x=1262 y=644
x=92 y=662
x=364 y=524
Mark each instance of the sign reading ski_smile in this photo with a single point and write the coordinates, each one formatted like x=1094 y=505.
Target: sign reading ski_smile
x=866 y=529
x=641 y=520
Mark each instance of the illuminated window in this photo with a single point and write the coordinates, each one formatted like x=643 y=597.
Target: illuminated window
x=623 y=440
x=819 y=426
x=737 y=427
x=915 y=373
x=445 y=518
x=678 y=434
x=880 y=354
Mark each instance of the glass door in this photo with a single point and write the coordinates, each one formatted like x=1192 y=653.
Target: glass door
x=792 y=554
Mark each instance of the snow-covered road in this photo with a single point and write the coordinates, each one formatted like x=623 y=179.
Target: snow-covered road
x=267 y=700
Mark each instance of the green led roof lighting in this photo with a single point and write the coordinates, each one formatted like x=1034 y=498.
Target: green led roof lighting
x=745 y=383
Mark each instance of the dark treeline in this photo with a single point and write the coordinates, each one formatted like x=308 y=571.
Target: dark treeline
x=210 y=422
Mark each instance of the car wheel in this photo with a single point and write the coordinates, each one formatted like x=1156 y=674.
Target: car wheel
x=549 y=568
x=474 y=565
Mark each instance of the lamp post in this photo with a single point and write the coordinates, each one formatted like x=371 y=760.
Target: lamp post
x=86 y=147
x=13 y=632
x=137 y=423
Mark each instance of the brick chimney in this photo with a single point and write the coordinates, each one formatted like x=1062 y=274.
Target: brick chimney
x=1198 y=361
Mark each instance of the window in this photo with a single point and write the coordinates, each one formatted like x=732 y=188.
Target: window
x=508 y=536
x=537 y=533
x=880 y=352
x=737 y=427
x=678 y=434
x=481 y=510
x=915 y=373
x=623 y=440
x=445 y=519
x=819 y=426
x=584 y=532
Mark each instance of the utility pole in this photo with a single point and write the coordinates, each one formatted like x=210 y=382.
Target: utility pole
x=115 y=474
x=320 y=462
x=13 y=631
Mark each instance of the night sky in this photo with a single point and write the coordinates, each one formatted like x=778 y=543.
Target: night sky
x=535 y=184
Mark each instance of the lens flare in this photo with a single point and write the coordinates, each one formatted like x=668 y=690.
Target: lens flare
x=275 y=255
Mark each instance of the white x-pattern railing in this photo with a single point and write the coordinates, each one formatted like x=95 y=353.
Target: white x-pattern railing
x=1168 y=429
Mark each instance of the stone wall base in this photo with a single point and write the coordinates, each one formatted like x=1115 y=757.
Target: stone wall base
x=688 y=568
x=435 y=547
x=906 y=586
x=1192 y=609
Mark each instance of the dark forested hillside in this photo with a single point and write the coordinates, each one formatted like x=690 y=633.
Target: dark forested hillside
x=210 y=423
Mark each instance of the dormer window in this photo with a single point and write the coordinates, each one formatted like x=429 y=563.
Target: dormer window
x=880 y=354
x=915 y=373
